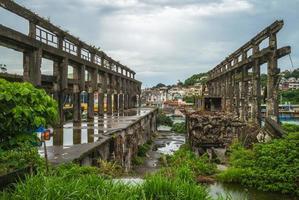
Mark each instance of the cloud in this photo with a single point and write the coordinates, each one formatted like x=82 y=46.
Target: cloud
x=167 y=40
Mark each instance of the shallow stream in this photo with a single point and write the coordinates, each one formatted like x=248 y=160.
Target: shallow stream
x=168 y=142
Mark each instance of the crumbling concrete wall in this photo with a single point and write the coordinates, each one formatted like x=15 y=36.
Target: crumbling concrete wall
x=208 y=130
x=123 y=144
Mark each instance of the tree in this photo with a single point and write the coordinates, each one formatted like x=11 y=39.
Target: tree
x=159 y=85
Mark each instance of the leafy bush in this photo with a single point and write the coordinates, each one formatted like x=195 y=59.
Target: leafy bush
x=184 y=157
x=23 y=108
x=143 y=149
x=290 y=127
x=25 y=156
x=162 y=119
x=272 y=166
x=179 y=127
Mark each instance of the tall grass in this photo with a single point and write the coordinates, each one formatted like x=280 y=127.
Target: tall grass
x=74 y=182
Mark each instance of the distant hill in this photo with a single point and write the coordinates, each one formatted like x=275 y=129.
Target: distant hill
x=196 y=78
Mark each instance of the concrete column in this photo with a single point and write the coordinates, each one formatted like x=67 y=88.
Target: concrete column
x=237 y=95
x=109 y=102
x=90 y=103
x=76 y=105
x=121 y=102
x=26 y=66
x=32 y=61
x=56 y=84
x=231 y=92
x=272 y=81
x=115 y=102
x=32 y=29
x=76 y=96
x=101 y=103
x=126 y=101
x=63 y=71
x=256 y=88
x=92 y=87
x=102 y=91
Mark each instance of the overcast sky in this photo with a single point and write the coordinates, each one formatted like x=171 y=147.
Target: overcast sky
x=164 y=40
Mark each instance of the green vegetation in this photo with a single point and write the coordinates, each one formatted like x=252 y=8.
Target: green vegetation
x=159 y=85
x=75 y=182
x=18 y=158
x=141 y=154
x=23 y=108
x=289 y=74
x=110 y=169
x=291 y=96
x=189 y=99
x=179 y=127
x=272 y=166
x=196 y=78
x=162 y=119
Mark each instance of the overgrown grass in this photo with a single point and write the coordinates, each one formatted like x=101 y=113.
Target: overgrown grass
x=187 y=166
x=162 y=119
x=141 y=154
x=179 y=127
x=75 y=182
x=272 y=166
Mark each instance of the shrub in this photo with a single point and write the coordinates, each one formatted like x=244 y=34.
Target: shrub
x=111 y=169
x=23 y=108
x=272 y=166
x=162 y=119
x=21 y=157
x=179 y=127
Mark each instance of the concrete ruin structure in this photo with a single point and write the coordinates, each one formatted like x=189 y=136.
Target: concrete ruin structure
x=236 y=80
x=93 y=70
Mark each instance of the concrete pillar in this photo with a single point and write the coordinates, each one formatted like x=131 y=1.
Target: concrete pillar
x=237 y=94
x=26 y=66
x=76 y=96
x=32 y=29
x=231 y=93
x=115 y=102
x=32 y=61
x=272 y=81
x=102 y=91
x=62 y=78
x=101 y=103
x=256 y=88
x=90 y=103
x=76 y=105
x=109 y=102
x=126 y=105
x=121 y=102
x=91 y=89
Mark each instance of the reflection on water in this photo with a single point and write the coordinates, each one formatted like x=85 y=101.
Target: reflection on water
x=89 y=131
x=238 y=192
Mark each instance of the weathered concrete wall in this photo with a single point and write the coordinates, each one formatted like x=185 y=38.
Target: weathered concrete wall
x=123 y=144
x=207 y=131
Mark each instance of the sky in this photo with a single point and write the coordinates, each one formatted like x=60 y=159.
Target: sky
x=163 y=40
